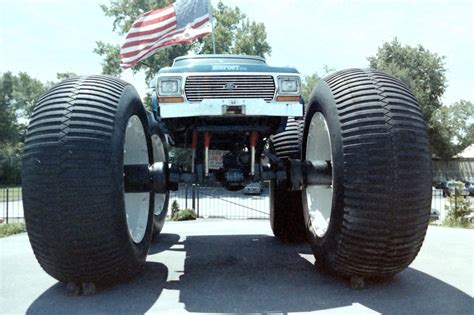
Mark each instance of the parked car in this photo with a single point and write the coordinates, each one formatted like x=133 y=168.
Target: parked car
x=253 y=189
x=445 y=188
x=451 y=186
x=470 y=187
x=434 y=215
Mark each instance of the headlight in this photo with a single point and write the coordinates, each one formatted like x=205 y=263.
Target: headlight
x=289 y=85
x=169 y=86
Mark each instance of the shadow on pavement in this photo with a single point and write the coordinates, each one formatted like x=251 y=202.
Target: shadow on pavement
x=257 y=273
x=163 y=242
x=134 y=297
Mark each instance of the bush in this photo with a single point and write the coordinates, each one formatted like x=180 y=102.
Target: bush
x=12 y=228
x=184 y=215
x=459 y=209
x=174 y=208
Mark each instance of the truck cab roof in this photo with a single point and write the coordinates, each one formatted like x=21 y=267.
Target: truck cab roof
x=216 y=59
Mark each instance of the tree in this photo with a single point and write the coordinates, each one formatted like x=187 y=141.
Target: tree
x=26 y=91
x=422 y=70
x=111 y=62
x=308 y=85
x=64 y=75
x=8 y=122
x=18 y=94
x=181 y=157
x=310 y=81
x=453 y=129
x=236 y=34
x=10 y=131
x=233 y=31
x=424 y=73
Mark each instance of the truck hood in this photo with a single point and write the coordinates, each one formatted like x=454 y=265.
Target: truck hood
x=222 y=67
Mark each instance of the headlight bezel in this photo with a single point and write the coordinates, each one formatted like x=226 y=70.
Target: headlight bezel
x=160 y=90
x=281 y=84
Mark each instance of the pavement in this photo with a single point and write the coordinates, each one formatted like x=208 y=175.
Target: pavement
x=236 y=266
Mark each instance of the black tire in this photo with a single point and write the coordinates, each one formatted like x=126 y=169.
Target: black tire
x=286 y=207
x=73 y=185
x=381 y=192
x=160 y=154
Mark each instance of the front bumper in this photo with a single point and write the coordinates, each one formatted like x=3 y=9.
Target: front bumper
x=231 y=107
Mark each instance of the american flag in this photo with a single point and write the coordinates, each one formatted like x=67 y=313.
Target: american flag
x=183 y=21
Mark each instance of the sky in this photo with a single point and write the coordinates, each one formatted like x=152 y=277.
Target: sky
x=44 y=37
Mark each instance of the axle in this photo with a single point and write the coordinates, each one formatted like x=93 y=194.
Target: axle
x=294 y=175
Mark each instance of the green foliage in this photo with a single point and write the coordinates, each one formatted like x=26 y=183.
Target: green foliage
x=310 y=81
x=9 y=128
x=10 y=163
x=26 y=91
x=181 y=157
x=14 y=193
x=174 y=208
x=422 y=70
x=450 y=127
x=111 y=62
x=60 y=76
x=184 y=215
x=234 y=34
x=18 y=94
x=11 y=228
x=308 y=85
x=17 y=97
x=453 y=129
x=181 y=215
x=459 y=209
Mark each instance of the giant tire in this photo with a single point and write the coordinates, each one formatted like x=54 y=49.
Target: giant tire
x=286 y=208
x=379 y=203
x=81 y=224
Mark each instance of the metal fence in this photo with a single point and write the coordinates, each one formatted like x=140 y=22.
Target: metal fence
x=208 y=202
x=217 y=202
x=11 y=205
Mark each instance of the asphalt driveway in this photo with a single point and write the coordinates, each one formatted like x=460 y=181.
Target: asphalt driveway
x=230 y=266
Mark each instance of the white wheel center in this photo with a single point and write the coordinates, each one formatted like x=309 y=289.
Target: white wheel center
x=319 y=198
x=137 y=205
x=158 y=156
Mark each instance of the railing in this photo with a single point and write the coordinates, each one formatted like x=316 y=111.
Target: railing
x=11 y=205
x=208 y=202
x=217 y=202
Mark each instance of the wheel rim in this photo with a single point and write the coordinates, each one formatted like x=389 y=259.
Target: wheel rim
x=158 y=156
x=137 y=205
x=319 y=198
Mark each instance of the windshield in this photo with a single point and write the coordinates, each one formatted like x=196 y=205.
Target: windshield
x=214 y=60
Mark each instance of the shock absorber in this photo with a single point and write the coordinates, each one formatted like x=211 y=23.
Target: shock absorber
x=207 y=141
x=253 y=144
x=193 y=146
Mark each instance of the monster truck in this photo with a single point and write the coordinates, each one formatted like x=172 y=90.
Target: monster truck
x=349 y=170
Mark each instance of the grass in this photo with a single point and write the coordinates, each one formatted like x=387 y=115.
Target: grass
x=464 y=224
x=14 y=194
x=11 y=228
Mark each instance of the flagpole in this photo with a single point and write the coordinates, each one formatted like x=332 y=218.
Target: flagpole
x=212 y=27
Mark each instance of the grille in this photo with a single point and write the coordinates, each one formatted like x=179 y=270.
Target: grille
x=198 y=88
